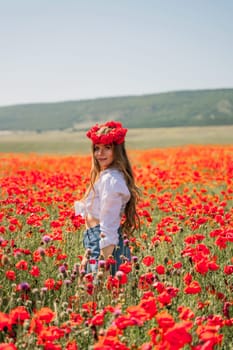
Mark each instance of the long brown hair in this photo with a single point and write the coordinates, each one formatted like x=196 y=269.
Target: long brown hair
x=122 y=163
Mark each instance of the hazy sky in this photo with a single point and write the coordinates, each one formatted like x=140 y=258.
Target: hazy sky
x=56 y=50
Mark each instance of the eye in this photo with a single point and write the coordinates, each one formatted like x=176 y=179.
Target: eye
x=96 y=149
x=108 y=147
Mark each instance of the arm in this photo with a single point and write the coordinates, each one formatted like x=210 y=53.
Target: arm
x=114 y=194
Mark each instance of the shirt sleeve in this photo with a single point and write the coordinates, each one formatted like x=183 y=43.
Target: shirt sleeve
x=114 y=195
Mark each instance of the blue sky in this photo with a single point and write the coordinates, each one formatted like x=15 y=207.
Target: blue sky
x=58 y=50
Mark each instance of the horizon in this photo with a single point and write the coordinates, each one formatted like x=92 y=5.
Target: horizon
x=113 y=97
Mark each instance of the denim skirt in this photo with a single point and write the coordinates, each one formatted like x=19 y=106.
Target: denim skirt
x=91 y=240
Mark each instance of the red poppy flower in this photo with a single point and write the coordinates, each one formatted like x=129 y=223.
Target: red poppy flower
x=209 y=335
x=49 y=283
x=35 y=271
x=149 y=305
x=165 y=320
x=160 y=269
x=7 y=346
x=148 y=260
x=146 y=280
x=4 y=321
x=112 y=282
x=22 y=265
x=228 y=269
x=193 y=288
x=76 y=318
x=126 y=267
x=72 y=345
x=178 y=336
x=213 y=266
x=138 y=315
x=18 y=315
x=122 y=277
x=45 y=314
x=97 y=320
x=10 y=275
x=187 y=278
x=90 y=307
x=177 y=265
x=185 y=313
x=124 y=321
x=164 y=298
x=202 y=266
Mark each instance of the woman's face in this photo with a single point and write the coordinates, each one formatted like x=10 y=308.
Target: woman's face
x=104 y=155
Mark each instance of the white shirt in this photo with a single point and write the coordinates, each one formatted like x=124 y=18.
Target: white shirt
x=106 y=203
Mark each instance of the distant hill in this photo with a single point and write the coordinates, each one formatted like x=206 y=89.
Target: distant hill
x=172 y=109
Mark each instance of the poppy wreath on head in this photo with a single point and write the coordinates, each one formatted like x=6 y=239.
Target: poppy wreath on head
x=110 y=132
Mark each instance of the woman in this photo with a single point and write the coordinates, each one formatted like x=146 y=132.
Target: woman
x=111 y=194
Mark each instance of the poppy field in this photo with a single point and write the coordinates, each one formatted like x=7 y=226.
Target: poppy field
x=175 y=293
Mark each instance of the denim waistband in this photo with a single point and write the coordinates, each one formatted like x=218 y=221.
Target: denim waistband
x=90 y=229
x=97 y=227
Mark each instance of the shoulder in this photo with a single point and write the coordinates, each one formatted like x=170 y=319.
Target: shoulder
x=112 y=176
x=113 y=180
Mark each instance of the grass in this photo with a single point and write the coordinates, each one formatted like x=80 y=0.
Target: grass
x=65 y=142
